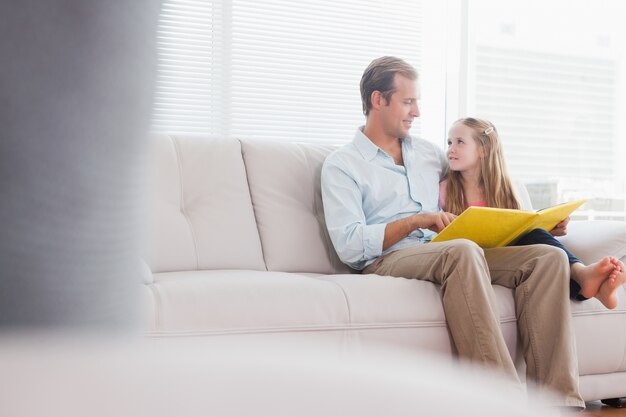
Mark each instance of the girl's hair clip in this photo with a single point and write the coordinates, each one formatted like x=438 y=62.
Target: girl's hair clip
x=488 y=130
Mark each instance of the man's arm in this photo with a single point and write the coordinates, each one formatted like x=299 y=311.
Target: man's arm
x=354 y=240
x=399 y=229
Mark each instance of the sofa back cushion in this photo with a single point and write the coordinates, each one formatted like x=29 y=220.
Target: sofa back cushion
x=201 y=215
x=284 y=183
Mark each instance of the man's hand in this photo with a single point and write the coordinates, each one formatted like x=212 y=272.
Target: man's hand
x=436 y=221
x=561 y=228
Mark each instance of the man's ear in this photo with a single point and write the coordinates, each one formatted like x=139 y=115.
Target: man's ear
x=377 y=99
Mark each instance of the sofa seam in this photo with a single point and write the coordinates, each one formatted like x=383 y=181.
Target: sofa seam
x=256 y=220
x=599 y=313
x=182 y=197
x=299 y=329
x=623 y=364
x=345 y=297
x=316 y=211
x=157 y=305
x=601 y=373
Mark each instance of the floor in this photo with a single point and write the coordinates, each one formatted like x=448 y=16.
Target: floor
x=597 y=409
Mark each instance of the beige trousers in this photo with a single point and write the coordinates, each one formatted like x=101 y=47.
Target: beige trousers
x=540 y=276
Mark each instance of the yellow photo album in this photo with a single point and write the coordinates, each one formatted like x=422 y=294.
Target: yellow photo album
x=495 y=227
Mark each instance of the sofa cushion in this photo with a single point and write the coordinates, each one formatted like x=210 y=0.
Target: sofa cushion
x=591 y=240
x=201 y=212
x=600 y=335
x=255 y=301
x=386 y=302
x=376 y=299
x=223 y=301
x=284 y=183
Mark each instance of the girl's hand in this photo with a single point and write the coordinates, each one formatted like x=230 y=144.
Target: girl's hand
x=561 y=228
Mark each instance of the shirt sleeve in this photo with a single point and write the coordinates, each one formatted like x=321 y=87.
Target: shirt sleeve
x=357 y=244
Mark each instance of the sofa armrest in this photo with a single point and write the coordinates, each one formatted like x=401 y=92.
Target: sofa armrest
x=146 y=274
x=591 y=240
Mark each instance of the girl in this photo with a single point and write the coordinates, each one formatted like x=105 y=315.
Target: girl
x=478 y=177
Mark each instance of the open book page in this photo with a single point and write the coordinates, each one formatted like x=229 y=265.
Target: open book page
x=493 y=227
x=551 y=216
x=488 y=227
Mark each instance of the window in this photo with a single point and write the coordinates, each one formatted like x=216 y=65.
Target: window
x=275 y=69
x=548 y=75
x=191 y=74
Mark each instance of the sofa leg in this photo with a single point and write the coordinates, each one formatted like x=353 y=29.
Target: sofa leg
x=615 y=402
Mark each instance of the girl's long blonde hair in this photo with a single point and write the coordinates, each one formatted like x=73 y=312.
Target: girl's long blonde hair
x=494 y=177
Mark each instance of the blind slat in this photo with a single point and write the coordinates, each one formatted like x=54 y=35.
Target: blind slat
x=287 y=68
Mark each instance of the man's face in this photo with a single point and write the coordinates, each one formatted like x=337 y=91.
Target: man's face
x=397 y=116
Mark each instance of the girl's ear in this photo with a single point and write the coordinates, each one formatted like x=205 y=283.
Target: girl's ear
x=481 y=152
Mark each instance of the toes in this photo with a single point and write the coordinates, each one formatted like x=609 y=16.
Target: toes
x=605 y=265
x=611 y=286
x=616 y=262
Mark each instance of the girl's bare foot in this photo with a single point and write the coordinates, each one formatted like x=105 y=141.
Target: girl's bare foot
x=607 y=294
x=591 y=277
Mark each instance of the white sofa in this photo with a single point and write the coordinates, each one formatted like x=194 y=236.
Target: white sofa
x=238 y=246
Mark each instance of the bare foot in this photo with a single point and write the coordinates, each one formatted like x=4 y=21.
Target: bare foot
x=607 y=294
x=591 y=277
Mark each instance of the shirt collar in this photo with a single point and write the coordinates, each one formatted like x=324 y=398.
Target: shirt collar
x=364 y=145
x=367 y=148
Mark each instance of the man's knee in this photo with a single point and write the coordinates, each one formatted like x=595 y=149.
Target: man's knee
x=552 y=254
x=467 y=259
x=553 y=264
x=464 y=248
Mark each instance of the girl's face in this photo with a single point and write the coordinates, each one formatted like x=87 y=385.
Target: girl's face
x=463 y=151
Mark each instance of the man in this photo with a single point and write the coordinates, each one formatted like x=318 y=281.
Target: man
x=380 y=196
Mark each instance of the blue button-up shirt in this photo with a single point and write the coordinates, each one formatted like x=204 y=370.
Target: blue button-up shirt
x=363 y=189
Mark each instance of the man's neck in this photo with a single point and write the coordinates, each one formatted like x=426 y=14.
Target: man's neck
x=391 y=145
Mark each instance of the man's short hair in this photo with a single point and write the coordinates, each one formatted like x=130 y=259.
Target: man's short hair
x=380 y=75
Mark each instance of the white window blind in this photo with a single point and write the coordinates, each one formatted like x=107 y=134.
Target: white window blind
x=191 y=73
x=555 y=113
x=275 y=69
